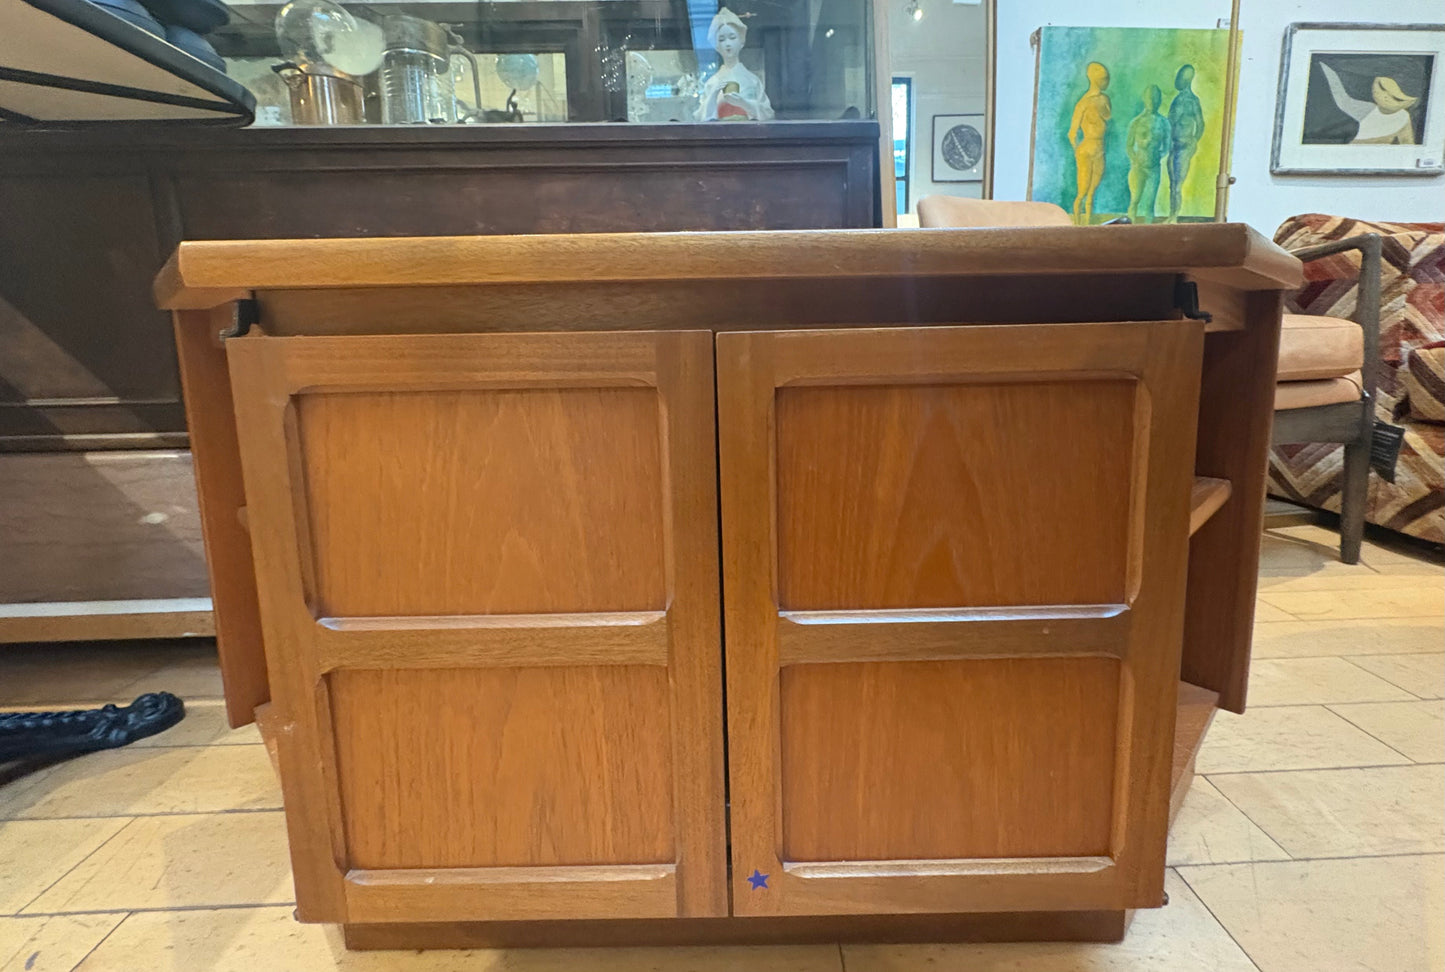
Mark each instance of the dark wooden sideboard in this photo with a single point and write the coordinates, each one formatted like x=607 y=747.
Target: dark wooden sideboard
x=88 y=370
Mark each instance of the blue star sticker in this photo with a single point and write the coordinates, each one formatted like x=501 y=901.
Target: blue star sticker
x=758 y=880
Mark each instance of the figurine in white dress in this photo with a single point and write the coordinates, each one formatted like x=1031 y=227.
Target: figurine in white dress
x=733 y=93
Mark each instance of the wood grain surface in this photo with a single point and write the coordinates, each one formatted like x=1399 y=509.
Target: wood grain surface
x=1010 y=757
x=504 y=767
x=203 y=273
x=430 y=750
x=1030 y=926
x=505 y=501
x=1196 y=711
x=493 y=640
x=925 y=496
x=221 y=494
x=723 y=305
x=955 y=561
x=915 y=634
x=1205 y=499
x=802 y=732
x=395 y=895
x=1236 y=412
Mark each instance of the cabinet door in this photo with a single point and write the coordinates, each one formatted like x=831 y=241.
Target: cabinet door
x=487 y=568
x=953 y=565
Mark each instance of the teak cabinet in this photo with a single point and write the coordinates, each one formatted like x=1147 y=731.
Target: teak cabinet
x=591 y=615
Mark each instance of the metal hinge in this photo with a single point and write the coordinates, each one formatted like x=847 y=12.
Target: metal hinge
x=244 y=313
x=1186 y=298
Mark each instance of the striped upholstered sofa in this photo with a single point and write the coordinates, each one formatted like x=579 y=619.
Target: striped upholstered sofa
x=1412 y=353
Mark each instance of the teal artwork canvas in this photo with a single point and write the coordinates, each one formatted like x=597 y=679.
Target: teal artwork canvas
x=1128 y=122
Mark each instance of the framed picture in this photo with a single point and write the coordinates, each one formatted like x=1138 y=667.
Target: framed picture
x=1360 y=99
x=1100 y=90
x=958 y=148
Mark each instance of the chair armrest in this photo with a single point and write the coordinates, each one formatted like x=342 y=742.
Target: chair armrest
x=1367 y=301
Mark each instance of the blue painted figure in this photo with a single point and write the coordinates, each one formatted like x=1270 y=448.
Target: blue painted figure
x=1147 y=143
x=1186 y=127
x=758 y=880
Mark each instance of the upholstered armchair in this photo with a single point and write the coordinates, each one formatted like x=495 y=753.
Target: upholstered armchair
x=1326 y=382
x=1408 y=386
x=956 y=211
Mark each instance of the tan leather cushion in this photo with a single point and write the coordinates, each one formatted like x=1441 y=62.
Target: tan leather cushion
x=1312 y=347
x=939 y=211
x=1327 y=391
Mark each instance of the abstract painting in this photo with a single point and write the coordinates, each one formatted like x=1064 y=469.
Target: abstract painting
x=1128 y=122
x=1357 y=98
x=958 y=148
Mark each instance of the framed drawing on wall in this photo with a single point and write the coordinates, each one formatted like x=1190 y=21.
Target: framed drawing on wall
x=1360 y=99
x=958 y=148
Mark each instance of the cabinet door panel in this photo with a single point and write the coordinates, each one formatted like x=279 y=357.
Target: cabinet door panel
x=954 y=565
x=889 y=761
x=553 y=501
x=885 y=491
x=487 y=568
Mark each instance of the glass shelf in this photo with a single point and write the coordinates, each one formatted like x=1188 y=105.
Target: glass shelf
x=539 y=61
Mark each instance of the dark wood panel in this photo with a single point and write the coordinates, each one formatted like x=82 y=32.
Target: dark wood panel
x=545 y=198
x=99 y=526
x=1030 y=926
x=723 y=305
x=103 y=208
x=77 y=319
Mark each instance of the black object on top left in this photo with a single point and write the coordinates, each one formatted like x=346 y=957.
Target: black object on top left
x=73 y=62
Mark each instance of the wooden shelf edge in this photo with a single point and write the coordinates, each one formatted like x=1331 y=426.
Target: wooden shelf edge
x=1196 y=711
x=1205 y=499
x=176 y=617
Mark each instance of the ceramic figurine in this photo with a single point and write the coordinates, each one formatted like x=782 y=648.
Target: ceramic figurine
x=733 y=93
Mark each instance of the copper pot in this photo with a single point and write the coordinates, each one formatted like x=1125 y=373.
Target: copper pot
x=322 y=95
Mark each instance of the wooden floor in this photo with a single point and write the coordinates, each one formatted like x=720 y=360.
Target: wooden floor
x=1313 y=838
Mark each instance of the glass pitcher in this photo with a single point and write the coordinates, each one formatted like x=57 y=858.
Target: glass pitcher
x=416 y=72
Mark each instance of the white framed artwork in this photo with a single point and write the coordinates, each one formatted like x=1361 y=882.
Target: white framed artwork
x=1361 y=99
x=958 y=148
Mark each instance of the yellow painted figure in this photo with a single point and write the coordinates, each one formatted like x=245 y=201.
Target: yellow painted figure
x=1090 y=122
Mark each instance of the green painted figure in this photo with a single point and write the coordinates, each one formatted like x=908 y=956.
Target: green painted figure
x=1186 y=127
x=1147 y=143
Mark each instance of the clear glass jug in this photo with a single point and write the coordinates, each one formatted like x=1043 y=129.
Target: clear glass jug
x=416 y=72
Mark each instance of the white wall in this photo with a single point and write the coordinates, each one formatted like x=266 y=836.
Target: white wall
x=946 y=55
x=1257 y=198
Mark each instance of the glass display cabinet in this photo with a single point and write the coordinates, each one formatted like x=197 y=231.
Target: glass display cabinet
x=391 y=120
x=313 y=62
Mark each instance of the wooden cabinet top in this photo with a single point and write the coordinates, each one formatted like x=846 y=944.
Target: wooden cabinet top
x=206 y=274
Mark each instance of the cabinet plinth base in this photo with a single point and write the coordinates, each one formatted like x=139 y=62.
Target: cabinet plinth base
x=1040 y=926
